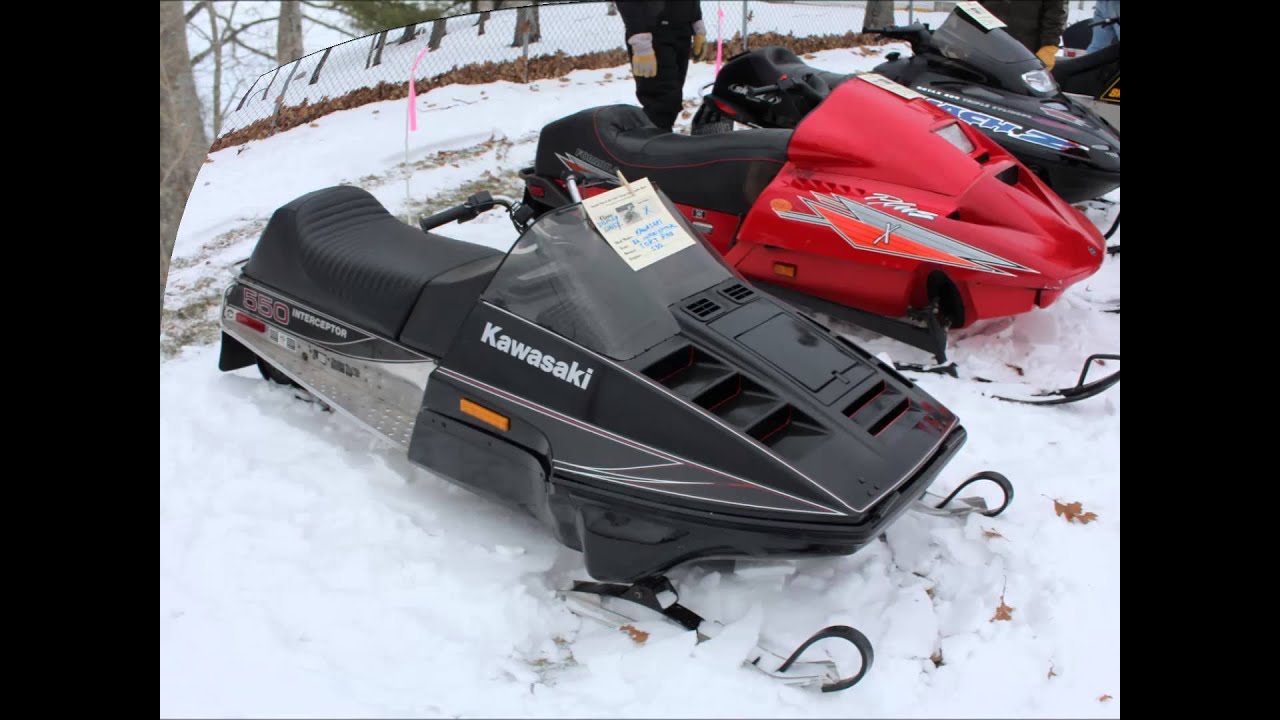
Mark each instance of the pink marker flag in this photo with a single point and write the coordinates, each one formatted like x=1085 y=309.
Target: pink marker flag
x=719 y=36
x=413 y=91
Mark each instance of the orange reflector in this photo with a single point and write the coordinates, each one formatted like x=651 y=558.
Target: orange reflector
x=784 y=269
x=484 y=414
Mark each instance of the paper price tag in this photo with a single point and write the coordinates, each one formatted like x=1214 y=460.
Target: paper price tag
x=885 y=83
x=637 y=224
x=980 y=14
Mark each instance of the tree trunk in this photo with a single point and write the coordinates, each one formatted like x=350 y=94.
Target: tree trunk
x=437 y=33
x=527 y=20
x=289 y=34
x=613 y=8
x=215 y=41
x=879 y=15
x=183 y=145
x=410 y=32
x=379 y=42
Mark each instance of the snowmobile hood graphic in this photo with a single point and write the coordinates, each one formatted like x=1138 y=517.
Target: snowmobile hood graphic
x=866 y=228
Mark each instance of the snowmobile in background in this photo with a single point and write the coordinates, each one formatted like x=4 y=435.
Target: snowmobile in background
x=907 y=223
x=975 y=70
x=647 y=416
x=980 y=75
x=1093 y=79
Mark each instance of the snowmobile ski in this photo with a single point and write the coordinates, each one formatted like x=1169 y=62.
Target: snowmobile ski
x=967 y=505
x=1060 y=396
x=1080 y=391
x=657 y=594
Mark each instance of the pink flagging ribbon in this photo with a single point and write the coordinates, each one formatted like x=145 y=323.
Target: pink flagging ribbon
x=719 y=36
x=413 y=91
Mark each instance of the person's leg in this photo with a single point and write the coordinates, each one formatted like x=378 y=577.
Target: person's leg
x=1102 y=37
x=666 y=93
x=650 y=91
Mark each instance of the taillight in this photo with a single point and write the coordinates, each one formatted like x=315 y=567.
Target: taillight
x=254 y=323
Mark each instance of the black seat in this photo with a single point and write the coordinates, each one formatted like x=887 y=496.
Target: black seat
x=1087 y=74
x=723 y=172
x=339 y=251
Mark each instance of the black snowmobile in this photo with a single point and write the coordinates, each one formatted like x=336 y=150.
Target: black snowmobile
x=983 y=77
x=991 y=81
x=648 y=417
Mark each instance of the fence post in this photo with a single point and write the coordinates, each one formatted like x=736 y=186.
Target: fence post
x=911 y=11
x=524 y=44
x=745 y=11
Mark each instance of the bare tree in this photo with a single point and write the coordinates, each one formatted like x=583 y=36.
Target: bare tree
x=410 y=32
x=289 y=32
x=183 y=145
x=215 y=40
x=223 y=36
x=879 y=15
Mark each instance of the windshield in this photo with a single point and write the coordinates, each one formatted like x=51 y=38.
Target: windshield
x=961 y=38
x=564 y=276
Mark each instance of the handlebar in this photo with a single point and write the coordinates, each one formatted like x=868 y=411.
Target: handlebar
x=470 y=210
x=785 y=84
x=916 y=34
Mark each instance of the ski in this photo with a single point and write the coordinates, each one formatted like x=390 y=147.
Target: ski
x=603 y=602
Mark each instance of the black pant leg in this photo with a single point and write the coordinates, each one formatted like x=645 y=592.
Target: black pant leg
x=662 y=97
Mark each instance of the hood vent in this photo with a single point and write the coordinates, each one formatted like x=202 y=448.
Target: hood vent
x=877 y=407
x=714 y=385
x=703 y=308
x=738 y=293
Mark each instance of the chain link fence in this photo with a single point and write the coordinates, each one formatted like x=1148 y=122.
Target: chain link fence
x=521 y=45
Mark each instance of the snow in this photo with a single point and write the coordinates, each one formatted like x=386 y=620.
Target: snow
x=307 y=570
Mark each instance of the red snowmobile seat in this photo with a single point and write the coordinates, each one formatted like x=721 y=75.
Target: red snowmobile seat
x=724 y=172
x=339 y=251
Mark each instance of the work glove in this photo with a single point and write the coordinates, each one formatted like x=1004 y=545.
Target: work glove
x=1048 y=54
x=699 y=39
x=643 y=62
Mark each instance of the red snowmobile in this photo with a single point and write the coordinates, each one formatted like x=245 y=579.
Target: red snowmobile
x=906 y=221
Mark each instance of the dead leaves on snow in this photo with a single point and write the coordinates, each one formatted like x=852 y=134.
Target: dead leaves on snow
x=1073 y=512
x=1004 y=612
x=637 y=635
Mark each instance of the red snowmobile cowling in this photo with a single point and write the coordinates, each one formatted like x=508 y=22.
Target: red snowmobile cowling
x=865 y=212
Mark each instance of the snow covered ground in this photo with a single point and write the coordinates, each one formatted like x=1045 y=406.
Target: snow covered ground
x=306 y=570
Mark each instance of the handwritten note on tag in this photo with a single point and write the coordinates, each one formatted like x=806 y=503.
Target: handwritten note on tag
x=637 y=224
x=980 y=14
